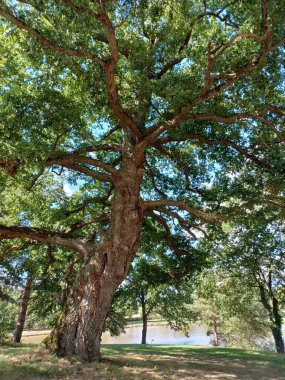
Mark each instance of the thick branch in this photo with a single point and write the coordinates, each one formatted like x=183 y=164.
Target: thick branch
x=71 y=158
x=89 y=172
x=125 y=119
x=151 y=205
x=264 y=15
x=42 y=236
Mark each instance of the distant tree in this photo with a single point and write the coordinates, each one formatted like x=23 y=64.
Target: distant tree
x=257 y=250
x=17 y=335
x=151 y=288
x=37 y=279
x=228 y=303
x=8 y=313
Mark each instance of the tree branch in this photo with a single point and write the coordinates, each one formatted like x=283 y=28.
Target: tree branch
x=181 y=221
x=168 y=238
x=6 y=12
x=71 y=158
x=169 y=65
x=208 y=93
x=151 y=205
x=152 y=178
x=272 y=127
x=89 y=172
x=82 y=223
x=125 y=119
x=42 y=236
x=264 y=15
x=109 y=67
x=205 y=140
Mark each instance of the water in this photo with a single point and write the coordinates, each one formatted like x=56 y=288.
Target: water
x=160 y=334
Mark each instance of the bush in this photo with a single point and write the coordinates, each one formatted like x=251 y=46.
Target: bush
x=8 y=314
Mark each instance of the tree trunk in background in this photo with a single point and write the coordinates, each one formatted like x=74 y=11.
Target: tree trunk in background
x=278 y=339
x=277 y=327
x=215 y=333
x=144 y=319
x=80 y=327
x=271 y=305
x=23 y=311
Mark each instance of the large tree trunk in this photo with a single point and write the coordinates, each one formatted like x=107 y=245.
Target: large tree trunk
x=79 y=329
x=23 y=311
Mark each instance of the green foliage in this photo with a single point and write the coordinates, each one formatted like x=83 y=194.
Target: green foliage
x=8 y=313
x=119 y=313
x=177 y=61
x=151 y=286
x=229 y=304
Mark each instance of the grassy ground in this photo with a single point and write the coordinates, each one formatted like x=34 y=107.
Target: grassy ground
x=135 y=362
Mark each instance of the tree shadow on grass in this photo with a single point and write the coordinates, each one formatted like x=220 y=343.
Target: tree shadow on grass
x=136 y=362
x=154 y=367
x=230 y=363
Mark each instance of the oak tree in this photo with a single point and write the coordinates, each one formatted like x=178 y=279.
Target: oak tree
x=136 y=104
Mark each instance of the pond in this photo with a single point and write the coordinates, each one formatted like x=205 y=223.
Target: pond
x=160 y=334
x=156 y=334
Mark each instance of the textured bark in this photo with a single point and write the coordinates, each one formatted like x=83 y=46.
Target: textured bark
x=23 y=311
x=80 y=327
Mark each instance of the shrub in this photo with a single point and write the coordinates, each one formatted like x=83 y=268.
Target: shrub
x=8 y=314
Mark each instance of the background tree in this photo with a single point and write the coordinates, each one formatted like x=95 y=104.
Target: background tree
x=37 y=279
x=17 y=335
x=137 y=106
x=228 y=303
x=151 y=288
x=8 y=307
x=257 y=251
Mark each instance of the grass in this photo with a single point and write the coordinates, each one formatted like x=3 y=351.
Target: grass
x=136 y=362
